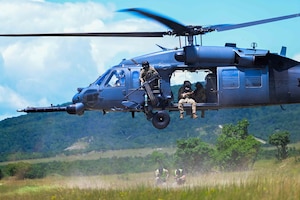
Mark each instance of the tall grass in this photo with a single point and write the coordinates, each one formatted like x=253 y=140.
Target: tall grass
x=268 y=180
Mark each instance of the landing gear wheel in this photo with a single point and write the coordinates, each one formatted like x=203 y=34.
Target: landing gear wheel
x=161 y=119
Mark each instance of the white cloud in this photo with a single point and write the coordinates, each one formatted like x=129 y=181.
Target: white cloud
x=9 y=100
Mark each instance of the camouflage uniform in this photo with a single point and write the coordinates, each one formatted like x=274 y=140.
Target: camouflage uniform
x=147 y=72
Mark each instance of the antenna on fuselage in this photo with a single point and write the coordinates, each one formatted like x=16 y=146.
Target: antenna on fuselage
x=283 y=51
x=253 y=45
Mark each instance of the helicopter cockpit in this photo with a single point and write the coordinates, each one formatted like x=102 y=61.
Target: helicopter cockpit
x=102 y=77
x=116 y=78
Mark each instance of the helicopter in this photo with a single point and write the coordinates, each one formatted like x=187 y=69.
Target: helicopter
x=235 y=77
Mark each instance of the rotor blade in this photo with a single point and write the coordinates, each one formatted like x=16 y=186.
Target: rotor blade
x=226 y=27
x=176 y=26
x=107 y=34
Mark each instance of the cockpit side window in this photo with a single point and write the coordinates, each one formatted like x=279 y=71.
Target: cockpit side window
x=101 y=78
x=116 y=79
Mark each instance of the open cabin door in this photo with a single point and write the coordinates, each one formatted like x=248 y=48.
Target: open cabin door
x=243 y=86
x=135 y=96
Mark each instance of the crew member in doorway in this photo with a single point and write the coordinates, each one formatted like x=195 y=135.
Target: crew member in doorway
x=148 y=73
x=200 y=96
x=186 y=94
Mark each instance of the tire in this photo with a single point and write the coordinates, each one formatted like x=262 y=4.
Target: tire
x=161 y=119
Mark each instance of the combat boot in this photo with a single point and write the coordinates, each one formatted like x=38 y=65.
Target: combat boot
x=181 y=116
x=194 y=116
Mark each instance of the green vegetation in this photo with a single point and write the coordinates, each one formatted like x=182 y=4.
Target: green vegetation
x=194 y=155
x=118 y=176
x=280 y=140
x=236 y=149
x=87 y=167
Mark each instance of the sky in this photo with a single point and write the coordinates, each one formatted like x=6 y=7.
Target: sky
x=43 y=71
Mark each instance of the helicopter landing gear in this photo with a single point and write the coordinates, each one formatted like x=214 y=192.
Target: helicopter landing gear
x=161 y=119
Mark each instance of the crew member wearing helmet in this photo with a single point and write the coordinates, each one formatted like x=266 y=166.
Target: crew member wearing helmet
x=147 y=72
x=185 y=95
x=120 y=75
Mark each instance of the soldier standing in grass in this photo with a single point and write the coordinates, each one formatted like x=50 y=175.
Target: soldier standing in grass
x=161 y=176
x=180 y=176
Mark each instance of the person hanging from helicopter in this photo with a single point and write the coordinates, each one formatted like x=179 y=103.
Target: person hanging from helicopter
x=149 y=78
x=200 y=96
x=149 y=73
x=185 y=95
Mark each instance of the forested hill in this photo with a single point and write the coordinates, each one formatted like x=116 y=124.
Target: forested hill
x=54 y=132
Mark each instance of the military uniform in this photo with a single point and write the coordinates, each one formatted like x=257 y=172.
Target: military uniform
x=161 y=175
x=180 y=176
x=199 y=93
x=147 y=73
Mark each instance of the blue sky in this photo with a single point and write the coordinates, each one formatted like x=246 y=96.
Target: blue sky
x=41 y=71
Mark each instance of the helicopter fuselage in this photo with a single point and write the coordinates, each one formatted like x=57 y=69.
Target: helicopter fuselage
x=237 y=78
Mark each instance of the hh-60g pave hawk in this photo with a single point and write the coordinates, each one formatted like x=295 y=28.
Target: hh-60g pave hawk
x=236 y=77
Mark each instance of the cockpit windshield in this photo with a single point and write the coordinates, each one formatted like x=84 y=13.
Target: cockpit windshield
x=101 y=78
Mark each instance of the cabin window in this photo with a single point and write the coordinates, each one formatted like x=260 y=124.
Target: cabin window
x=253 y=78
x=230 y=78
x=135 y=79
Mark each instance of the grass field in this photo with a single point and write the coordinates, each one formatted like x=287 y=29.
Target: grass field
x=267 y=180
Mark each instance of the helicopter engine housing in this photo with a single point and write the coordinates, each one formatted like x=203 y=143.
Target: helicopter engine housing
x=206 y=56
x=77 y=108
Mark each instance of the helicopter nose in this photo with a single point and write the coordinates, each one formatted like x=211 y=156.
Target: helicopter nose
x=76 y=98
